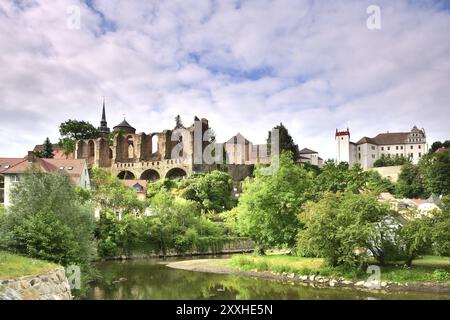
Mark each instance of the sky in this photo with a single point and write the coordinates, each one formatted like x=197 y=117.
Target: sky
x=244 y=65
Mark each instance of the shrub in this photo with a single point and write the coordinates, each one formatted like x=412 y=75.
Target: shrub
x=46 y=221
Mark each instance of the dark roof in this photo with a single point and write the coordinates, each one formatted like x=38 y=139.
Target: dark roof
x=125 y=126
x=386 y=138
x=307 y=151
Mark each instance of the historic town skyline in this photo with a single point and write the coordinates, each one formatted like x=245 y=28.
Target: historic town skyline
x=313 y=66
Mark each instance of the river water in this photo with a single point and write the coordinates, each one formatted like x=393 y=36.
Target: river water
x=151 y=279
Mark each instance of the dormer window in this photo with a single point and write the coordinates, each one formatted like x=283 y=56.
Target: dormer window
x=69 y=168
x=61 y=168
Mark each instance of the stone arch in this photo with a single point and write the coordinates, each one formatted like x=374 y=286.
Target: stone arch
x=130 y=147
x=176 y=173
x=91 y=148
x=150 y=175
x=126 y=175
x=81 y=150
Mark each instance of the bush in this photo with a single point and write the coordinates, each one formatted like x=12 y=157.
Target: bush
x=45 y=220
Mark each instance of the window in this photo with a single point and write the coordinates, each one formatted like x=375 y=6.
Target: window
x=359 y=156
x=69 y=168
x=359 y=148
x=401 y=148
x=419 y=146
x=412 y=147
x=389 y=148
x=373 y=156
x=396 y=147
x=382 y=148
x=373 y=147
x=420 y=154
x=15 y=178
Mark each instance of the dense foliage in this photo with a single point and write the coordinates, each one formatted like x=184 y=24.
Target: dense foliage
x=386 y=161
x=340 y=227
x=73 y=130
x=213 y=191
x=410 y=182
x=46 y=220
x=286 y=142
x=174 y=225
x=269 y=204
x=47 y=150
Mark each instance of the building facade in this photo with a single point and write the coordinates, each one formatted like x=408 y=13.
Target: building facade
x=366 y=151
x=77 y=171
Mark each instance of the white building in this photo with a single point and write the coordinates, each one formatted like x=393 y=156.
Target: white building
x=367 y=150
x=76 y=169
x=310 y=156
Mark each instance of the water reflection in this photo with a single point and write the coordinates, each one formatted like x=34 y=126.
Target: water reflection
x=151 y=279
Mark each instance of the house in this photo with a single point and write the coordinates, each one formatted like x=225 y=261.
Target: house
x=310 y=156
x=366 y=151
x=5 y=164
x=76 y=169
x=140 y=186
x=58 y=151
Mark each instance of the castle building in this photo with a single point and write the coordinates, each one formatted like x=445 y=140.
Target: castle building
x=367 y=150
x=143 y=156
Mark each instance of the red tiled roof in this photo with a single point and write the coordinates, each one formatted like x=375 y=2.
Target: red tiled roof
x=73 y=167
x=6 y=163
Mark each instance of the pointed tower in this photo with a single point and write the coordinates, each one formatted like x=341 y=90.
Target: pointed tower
x=103 y=129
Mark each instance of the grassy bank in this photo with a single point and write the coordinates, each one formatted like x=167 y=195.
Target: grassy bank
x=429 y=268
x=12 y=266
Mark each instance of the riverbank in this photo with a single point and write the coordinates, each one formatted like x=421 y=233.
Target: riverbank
x=224 y=266
x=23 y=278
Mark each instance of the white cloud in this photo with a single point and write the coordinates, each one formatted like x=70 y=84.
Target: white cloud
x=244 y=65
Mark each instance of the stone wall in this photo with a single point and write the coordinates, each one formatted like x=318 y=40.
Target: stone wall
x=52 y=285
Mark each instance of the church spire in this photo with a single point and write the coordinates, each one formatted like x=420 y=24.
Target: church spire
x=103 y=129
x=103 y=112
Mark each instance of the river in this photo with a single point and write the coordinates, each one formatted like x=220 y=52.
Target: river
x=151 y=279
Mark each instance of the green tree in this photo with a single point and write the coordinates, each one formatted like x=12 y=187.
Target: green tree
x=73 y=130
x=110 y=194
x=446 y=144
x=46 y=221
x=269 y=204
x=342 y=227
x=436 y=172
x=416 y=238
x=410 y=182
x=211 y=190
x=178 y=122
x=435 y=146
x=47 y=151
x=378 y=184
x=340 y=178
x=286 y=143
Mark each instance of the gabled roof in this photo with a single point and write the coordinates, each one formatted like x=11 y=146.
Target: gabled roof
x=386 y=138
x=238 y=138
x=73 y=167
x=6 y=163
x=307 y=151
x=133 y=183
